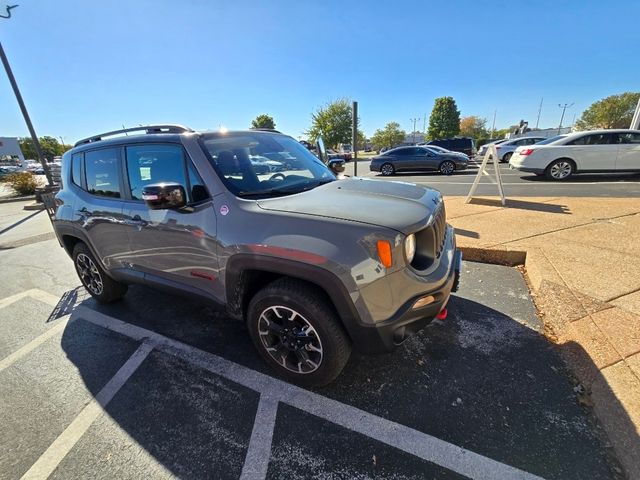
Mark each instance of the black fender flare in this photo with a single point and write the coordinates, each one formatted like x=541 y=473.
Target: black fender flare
x=323 y=278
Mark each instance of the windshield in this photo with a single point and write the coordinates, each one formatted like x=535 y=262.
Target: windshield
x=551 y=140
x=255 y=164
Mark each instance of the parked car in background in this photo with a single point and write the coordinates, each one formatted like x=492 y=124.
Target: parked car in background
x=417 y=159
x=335 y=155
x=7 y=170
x=263 y=164
x=462 y=144
x=558 y=158
x=483 y=149
x=345 y=148
x=505 y=149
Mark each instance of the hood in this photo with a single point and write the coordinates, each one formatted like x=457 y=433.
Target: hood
x=404 y=207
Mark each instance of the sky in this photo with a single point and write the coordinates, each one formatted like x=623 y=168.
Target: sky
x=86 y=67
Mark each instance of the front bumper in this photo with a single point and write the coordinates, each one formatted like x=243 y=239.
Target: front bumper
x=384 y=336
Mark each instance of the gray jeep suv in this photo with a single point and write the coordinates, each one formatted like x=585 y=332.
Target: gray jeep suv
x=313 y=264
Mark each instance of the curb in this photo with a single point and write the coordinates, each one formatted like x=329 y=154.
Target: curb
x=34 y=206
x=17 y=199
x=496 y=256
x=559 y=306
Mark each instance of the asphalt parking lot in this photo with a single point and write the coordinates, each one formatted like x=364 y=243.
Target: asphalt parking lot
x=159 y=387
x=516 y=184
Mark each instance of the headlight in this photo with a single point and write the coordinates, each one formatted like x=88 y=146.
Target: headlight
x=410 y=247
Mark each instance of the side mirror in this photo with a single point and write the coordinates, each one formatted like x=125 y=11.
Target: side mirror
x=164 y=196
x=336 y=165
x=322 y=151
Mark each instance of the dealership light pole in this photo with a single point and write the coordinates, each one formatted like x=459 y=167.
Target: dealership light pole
x=539 y=111
x=564 y=109
x=23 y=108
x=354 y=136
x=414 y=120
x=635 y=122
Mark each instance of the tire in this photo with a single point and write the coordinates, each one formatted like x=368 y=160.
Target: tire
x=447 y=167
x=94 y=279
x=559 y=170
x=507 y=157
x=387 y=170
x=287 y=306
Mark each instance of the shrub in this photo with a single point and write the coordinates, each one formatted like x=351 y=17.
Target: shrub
x=24 y=183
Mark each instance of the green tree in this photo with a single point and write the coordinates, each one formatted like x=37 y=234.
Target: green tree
x=474 y=127
x=263 y=121
x=615 y=111
x=444 y=121
x=362 y=140
x=49 y=145
x=390 y=136
x=332 y=123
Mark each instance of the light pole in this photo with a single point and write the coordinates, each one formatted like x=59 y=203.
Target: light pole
x=564 y=109
x=23 y=108
x=414 y=120
x=539 y=111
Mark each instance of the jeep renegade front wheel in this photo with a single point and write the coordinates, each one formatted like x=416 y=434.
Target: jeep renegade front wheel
x=101 y=287
x=297 y=332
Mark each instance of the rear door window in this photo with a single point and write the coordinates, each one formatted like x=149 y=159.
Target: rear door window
x=594 y=139
x=76 y=169
x=102 y=172
x=629 y=138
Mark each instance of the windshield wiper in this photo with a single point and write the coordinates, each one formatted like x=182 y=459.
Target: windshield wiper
x=289 y=190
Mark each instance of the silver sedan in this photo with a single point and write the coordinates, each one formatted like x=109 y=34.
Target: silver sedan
x=411 y=159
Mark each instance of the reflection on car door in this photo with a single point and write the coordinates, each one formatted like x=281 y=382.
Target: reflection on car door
x=178 y=245
x=425 y=159
x=594 y=152
x=98 y=206
x=402 y=159
x=628 y=151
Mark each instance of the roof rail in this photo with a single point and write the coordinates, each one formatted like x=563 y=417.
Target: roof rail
x=263 y=129
x=147 y=129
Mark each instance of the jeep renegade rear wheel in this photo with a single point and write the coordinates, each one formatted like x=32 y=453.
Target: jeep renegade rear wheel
x=101 y=287
x=297 y=332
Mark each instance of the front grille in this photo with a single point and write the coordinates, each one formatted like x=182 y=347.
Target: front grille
x=439 y=226
x=430 y=240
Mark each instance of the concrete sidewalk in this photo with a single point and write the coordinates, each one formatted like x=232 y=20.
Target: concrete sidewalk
x=582 y=259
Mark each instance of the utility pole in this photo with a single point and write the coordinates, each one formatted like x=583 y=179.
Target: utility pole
x=354 y=137
x=424 y=124
x=564 y=109
x=414 y=120
x=539 y=111
x=635 y=121
x=23 y=108
x=493 y=125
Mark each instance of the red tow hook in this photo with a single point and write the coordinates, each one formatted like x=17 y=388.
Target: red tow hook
x=443 y=314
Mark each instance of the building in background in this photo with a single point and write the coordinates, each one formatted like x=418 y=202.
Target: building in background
x=10 y=152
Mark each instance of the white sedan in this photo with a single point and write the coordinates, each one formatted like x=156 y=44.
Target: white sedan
x=582 y=152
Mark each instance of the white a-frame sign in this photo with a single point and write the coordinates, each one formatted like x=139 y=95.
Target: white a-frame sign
x=492 y=154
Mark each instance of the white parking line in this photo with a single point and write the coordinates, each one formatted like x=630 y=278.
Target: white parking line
x=422 y=445
x=35 y=343
x=35 y=293
x=256 y=462
x=62 y=445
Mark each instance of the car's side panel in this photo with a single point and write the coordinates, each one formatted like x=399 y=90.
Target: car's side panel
x=628 y=157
